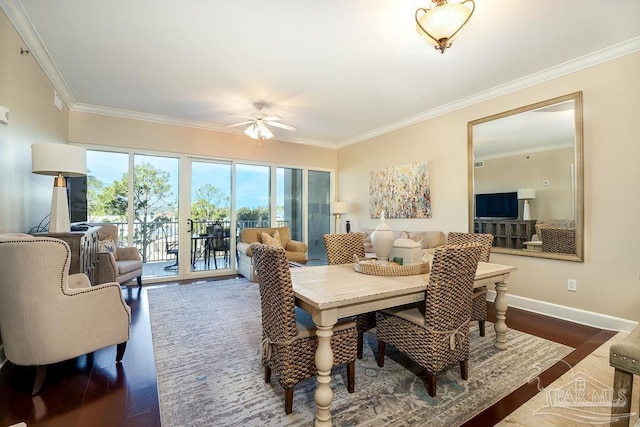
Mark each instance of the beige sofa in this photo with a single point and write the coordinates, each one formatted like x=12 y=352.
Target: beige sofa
x=428 y=239
x=296 y=251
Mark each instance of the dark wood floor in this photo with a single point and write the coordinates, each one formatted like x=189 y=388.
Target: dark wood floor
x=95 y=391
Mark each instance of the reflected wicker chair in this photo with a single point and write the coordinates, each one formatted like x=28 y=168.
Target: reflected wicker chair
x=436 y=334
x=558 y=239
x=479 y=303
x=340 y=249
x=289 y=340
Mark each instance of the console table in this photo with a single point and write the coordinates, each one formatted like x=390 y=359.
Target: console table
x=84 y=250
x=507 y=233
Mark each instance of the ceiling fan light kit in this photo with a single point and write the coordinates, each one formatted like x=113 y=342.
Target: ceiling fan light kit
x=258 y=122
x=440 y=23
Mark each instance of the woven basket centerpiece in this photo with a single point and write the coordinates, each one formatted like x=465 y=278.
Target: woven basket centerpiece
x=377 y=268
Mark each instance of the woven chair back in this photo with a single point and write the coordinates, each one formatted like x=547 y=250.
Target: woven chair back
x=450 y=287
x=486 y=240
x=276 y=292
x=340 y=248
x=558 y=239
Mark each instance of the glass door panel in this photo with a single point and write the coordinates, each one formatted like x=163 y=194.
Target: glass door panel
x=289 y=200
x=319 y=189
x=210 y=222
x=253 y=196
x=155 y=213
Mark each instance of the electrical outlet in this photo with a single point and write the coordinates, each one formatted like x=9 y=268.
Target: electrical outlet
x=572 y=285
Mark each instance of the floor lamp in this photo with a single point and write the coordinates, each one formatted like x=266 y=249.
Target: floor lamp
x=338 y=208
x=59 y=160
x=526 y=194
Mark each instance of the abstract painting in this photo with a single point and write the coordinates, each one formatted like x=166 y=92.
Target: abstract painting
x=400 y=191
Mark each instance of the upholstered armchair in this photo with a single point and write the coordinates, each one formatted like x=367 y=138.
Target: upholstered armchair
x=289 y=340
x=281 y=236
x=435 y=334
x=48 y=316
x=117 y=264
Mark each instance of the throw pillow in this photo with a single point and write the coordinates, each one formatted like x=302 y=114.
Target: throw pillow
x=108 y=246
x=271 y=240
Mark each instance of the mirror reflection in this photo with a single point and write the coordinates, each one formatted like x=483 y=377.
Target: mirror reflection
x=526 y=179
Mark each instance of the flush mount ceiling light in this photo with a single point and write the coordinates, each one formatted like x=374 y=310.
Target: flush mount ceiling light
x=258 y=122
x=440 y=23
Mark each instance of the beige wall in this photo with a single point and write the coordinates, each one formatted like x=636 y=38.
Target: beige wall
x=25 y=198
x=506 y=174
x=609 y=279
x=95 y=129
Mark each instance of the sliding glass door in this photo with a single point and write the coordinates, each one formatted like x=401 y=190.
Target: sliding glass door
x=210 y=227
x=319 y=217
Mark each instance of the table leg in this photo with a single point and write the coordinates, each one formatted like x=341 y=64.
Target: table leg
x=501 y=306
x=324 y=363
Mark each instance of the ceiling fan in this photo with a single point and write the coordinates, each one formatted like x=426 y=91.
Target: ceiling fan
x=258 y=122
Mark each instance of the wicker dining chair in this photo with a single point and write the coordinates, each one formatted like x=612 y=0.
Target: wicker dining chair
x=289 y=340
x=340 y=249
x=479 y=302
x=558 y=239
x=436 y=334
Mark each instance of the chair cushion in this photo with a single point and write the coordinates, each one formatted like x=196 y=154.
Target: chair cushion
x=306 y=327
x=413 y=313
x=271 y=240
x=108 y=246
x=128 y=266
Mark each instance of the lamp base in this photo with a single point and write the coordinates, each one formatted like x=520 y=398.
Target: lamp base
x=337 y=229
x=59 y=220
x=526 y=215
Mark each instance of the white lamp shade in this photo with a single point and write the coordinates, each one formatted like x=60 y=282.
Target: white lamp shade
x=338 y=207
x=52 y=159
x=526 y=194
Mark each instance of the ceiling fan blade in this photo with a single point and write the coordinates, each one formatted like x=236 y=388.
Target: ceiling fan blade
x=243 y=116
x=269 y=118
x=282 y=125
x=241 y=123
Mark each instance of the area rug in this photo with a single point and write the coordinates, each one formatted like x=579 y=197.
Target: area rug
x=206 y=338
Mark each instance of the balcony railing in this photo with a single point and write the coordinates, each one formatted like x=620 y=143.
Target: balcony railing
x=154 y=238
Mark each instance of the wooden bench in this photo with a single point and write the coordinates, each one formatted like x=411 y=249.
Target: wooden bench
x=624 y=356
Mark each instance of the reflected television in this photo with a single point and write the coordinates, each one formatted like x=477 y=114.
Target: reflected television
x=497 y=205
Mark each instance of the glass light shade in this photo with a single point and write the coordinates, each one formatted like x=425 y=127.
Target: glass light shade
x=444 y=22
x=526 y=194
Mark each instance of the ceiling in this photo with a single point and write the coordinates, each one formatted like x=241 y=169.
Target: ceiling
x=340 y=71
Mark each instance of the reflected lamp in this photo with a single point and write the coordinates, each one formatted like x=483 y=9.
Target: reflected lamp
x=526 y=194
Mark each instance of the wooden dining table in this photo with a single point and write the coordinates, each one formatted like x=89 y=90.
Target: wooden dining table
x=331 y=292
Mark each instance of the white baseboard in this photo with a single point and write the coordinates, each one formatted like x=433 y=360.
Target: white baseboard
x=583 y=317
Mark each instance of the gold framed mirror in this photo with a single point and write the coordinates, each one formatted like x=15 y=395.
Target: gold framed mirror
x=526 y=179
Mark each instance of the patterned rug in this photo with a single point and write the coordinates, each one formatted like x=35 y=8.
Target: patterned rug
x=206 y=338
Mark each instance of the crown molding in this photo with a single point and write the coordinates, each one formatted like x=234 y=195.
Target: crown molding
x=586 y=61
x=20 y=20
x=23 y=25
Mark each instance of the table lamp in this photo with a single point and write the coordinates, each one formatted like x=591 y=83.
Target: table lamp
x=59 y=160
x=526 y=194
x=338 y=208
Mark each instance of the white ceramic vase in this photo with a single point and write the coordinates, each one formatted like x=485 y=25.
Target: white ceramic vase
x=382 y=240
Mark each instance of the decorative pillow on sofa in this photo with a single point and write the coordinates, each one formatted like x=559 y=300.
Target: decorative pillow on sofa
x=271 y=240
x=108 y=246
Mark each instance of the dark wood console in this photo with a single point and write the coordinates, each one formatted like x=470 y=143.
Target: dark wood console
x=507 y=233
x=84 y=250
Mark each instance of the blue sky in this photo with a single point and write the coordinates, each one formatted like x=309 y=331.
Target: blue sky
x=252 y=181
